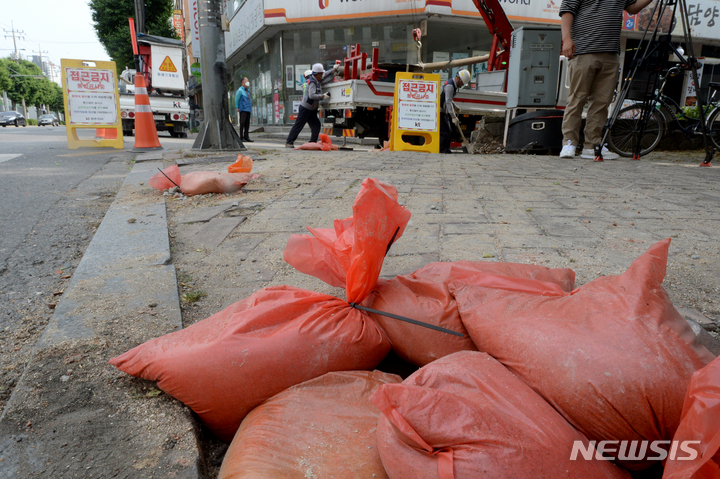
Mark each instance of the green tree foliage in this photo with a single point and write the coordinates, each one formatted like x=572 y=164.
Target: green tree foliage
x=5 y=81
x=110 y=19
x=34 y=88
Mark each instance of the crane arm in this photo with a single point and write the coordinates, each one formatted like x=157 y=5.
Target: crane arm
x=501 y=29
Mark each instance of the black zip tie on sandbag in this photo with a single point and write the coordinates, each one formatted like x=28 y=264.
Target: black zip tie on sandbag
x=403 y=318
x=166 y=176
x=392 y=240
x=407 y=320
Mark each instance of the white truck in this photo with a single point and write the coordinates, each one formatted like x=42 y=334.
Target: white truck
x=161 y=62
x=361 y=108
x=171 y=113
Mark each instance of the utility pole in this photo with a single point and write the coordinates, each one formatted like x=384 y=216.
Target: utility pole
x=20 y=34
x=17 y=56
x=216 y=132
x=140 y=16
x=40 y=52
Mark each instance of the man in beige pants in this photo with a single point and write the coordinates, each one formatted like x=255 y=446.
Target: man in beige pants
x=591 y=42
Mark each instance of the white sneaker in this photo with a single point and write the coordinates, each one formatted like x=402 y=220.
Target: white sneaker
x=589 y=153
x=568 y=151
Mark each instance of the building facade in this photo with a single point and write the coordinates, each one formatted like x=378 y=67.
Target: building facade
x=272 y=42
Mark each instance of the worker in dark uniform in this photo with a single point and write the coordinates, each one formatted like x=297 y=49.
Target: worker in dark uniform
x=447 y=112
x=308 y=108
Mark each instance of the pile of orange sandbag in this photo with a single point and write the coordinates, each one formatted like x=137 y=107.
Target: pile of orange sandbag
x=324 y=143
x=227 y=364
x=539 y=372
x=204 y=182
x=613 y=357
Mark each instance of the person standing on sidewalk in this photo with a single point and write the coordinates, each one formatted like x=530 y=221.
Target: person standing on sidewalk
x=447 y=111
x=242 y=102
x=308 y=108
x=591 y=42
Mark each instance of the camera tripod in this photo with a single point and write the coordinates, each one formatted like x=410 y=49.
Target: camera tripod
x=646 y=71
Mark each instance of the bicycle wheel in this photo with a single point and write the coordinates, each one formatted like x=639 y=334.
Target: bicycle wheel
x=625 y=132
x=713 y=127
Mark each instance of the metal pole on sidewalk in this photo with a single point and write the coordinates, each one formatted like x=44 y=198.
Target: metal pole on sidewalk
x=216 y=132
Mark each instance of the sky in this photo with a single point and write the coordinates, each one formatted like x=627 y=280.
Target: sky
x=58 y=28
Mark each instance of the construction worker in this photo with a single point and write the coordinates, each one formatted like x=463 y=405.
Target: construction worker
x=307 y=111
x=447 y=110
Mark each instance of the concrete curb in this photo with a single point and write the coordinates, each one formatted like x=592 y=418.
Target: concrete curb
x=122 y=293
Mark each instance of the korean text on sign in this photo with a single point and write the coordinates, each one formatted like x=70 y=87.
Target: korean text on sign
x=91 y=96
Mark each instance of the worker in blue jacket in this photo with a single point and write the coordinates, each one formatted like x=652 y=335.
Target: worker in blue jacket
x=242 y=103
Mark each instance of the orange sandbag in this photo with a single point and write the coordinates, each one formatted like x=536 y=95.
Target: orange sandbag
x=243 y=164
x=467 y=416
x=309 y=146
x=613 y=356
x=203 y=182
x=424 y=296
x=317 y=146
x=701 y=423
x=169 y=179
x=324 y=138
x=227 y=364
x=325 y=427
x=353 y=251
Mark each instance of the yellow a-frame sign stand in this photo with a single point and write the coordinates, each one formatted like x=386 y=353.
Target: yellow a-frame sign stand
x=91 y=98
x=416 y=112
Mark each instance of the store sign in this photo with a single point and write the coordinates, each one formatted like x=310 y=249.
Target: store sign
x=282 y=11
x=195 y=27
x=245 y=24
x=178 y=24
x=703 y=18
x=195 y=70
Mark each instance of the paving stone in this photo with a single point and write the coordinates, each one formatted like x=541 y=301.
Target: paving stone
x=203 y=215
x=215 y=231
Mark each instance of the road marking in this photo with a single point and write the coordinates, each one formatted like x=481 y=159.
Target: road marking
x=9 y=156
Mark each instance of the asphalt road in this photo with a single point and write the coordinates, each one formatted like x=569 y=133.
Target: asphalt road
x=52 y=200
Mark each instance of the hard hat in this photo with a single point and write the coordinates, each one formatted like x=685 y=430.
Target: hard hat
x=318 y=68
x=464 y=76
x=307 y=73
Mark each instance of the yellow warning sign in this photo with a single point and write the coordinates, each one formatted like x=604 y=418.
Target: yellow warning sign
x=416 y=113
x=167 y=66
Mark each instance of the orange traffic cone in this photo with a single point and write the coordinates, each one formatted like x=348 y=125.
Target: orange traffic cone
x=146 y=137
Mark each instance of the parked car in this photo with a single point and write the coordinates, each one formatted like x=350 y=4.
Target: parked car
x=12 y=118
x=48 y=120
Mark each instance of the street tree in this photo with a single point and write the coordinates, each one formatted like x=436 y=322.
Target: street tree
x=110 y=19
x=5 y=81
x=23 y=85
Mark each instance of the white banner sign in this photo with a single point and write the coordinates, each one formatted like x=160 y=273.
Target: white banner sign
x=417 y=105
x=195 y=27
x=91 y=96
x=246 y=23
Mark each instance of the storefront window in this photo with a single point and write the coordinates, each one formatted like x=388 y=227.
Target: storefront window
x=447 y=41
x=303 y=48
x=267 y=90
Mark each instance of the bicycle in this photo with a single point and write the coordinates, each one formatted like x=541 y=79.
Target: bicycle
x=628 y=129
